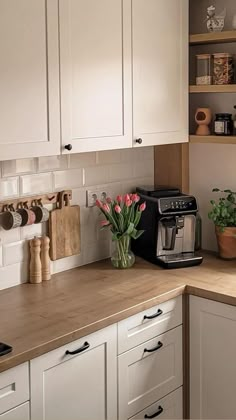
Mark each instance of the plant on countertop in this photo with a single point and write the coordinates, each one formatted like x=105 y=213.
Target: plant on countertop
x=223 y=214
x=122 y=218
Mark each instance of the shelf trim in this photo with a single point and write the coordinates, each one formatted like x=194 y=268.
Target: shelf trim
x=213 y=38
x=212 y=139
x=212 y=88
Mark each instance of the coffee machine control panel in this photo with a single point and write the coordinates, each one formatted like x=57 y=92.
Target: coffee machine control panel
x=178 y=204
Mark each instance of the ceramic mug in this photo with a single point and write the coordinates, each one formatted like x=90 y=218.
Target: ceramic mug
x=28 y=216
x=10 y=218
x=41 y=213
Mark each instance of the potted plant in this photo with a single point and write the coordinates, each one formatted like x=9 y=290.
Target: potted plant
x=122 y=217
x=223 y=214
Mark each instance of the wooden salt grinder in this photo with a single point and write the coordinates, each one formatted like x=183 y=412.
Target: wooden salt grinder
x=35 y=261
x=45 y=259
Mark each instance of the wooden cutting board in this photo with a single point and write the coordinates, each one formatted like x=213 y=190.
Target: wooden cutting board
x=64 y=229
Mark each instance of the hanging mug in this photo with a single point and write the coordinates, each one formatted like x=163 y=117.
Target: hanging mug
x=41 y=213
x=28 y=216
x=10 y=219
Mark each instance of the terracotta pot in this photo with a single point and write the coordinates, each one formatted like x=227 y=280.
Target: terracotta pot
x=226 y=242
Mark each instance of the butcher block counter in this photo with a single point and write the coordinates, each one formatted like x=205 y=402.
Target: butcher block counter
x=35 y=319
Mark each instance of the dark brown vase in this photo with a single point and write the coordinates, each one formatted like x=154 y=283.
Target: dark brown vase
x=226 y=242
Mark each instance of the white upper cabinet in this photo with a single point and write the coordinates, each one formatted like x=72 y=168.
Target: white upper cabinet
x=95 y=53
x=29 y=79
x=160 y=71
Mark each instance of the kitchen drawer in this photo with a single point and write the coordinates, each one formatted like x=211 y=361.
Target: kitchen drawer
x=137 y=329
x=169 y=407
x=14 y=387
x=149 y=372
x=18 y=413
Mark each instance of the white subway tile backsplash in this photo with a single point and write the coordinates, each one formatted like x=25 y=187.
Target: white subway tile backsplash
x=8 y=236
x=12 y=275
x=9 y=187
x=115 y=172
x=68 y=179
x=35 y=184
x=52 y=163
x=82 y=160
x=15 y=252
x=19 y=166
x=123 y=171
x=96 y=175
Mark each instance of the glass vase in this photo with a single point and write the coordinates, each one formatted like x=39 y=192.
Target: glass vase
x=123 y=257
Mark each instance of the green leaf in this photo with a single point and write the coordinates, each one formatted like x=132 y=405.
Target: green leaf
x=215 y=190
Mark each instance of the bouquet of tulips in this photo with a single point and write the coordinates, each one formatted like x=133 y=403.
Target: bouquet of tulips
x=122 y=217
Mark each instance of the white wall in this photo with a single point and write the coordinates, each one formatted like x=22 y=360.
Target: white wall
x=118 y=171
x=211 y=165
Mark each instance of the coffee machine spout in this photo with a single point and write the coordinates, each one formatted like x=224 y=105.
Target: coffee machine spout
x=170 y=234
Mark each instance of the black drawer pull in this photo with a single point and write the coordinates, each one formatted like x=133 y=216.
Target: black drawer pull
x=85 y=346
x=160 y=410
x=159 y=345
x=159 y=312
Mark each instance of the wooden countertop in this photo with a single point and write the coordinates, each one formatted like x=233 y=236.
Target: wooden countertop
x=35 y=319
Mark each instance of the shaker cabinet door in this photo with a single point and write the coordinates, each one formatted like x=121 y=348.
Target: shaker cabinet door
x=80 y=385
x=212 y=359
x=95 y=53
x=160 y=71
x=29 y=79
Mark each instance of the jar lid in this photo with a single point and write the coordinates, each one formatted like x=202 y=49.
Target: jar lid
x=222 y=55
x=203 y=56
x=224 y=115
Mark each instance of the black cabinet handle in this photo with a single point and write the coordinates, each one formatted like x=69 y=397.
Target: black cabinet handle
x=139 y=141
x=159 y=312
x=159 y=345
x=68 y=147
x=160 y=410
x=85 y=346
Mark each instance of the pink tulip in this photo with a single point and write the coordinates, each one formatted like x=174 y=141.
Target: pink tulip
x=104 y=223
x=117 y=209
x=119 y=199
x=142 y=206
x=106 y=208
x=99 y=204
x=126 y=197
x=135 y=198
x=109 y=200
x=128 y=203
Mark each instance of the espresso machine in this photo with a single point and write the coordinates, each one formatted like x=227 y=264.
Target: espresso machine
x=169 y=228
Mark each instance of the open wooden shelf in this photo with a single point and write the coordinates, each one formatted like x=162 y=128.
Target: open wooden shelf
x=212 y=139
x=213 y=38
x=212 y=89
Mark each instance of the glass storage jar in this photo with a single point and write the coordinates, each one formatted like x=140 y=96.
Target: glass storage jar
x=223 y=125
x=223 y=70
x=204 y=71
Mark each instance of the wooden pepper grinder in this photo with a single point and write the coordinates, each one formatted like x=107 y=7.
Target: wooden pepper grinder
x=35 y=261
x=45 y=259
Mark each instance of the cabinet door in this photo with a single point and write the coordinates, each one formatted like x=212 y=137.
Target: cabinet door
x=95 y=43
x=149 y=372
x=212 y=360
x=160 y=71
x=18 y=413
x=29 y=79
x=82 y=386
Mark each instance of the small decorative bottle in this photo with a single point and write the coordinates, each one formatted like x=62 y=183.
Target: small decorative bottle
x=35 y=261
x=45 y=259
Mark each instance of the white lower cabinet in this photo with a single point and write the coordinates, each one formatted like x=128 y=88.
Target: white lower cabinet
x=80 y=385
x=14 y=387
x=169 y=407
x=212 y=360
x=149 y=371
x=18 y=413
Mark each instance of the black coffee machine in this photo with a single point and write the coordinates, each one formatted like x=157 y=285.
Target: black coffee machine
x=169 y=228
